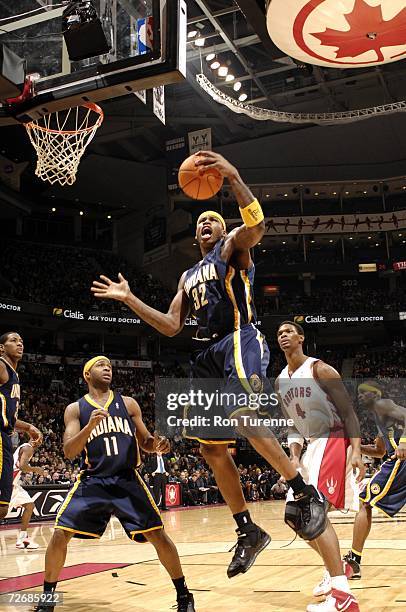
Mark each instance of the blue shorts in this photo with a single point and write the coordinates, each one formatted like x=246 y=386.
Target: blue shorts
x=92 y=501
x=240 y=359
x=387 y=489
x=6 y=468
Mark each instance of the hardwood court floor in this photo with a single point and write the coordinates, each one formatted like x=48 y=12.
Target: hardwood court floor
x=114 y=574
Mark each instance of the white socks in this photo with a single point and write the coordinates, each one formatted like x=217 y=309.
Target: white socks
x=340 y=583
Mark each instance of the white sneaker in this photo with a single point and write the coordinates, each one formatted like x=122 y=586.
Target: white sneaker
x=338 y=600
x=324 y=586
x=27 y=544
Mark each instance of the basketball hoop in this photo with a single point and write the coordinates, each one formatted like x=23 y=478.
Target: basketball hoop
x=59 y=150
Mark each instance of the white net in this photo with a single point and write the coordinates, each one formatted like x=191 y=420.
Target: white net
x=61 y=138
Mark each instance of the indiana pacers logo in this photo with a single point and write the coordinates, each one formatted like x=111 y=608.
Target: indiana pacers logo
x=331 y=486
x=255 y=383
x=349 y=33
x=375 y=488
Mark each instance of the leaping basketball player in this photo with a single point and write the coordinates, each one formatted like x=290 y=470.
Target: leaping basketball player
x=20 y=498
x=11 y=352
x=218 y=292
x=107 y=428
x=387 y=489
x=313 y=395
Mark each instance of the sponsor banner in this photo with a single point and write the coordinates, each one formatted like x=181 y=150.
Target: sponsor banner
x=158 y=102
x=327 y=224
x=399 y=265
x=78 y=315
x=47 y=501
x=200 y=140
x=342 y=318
x=9 y=306
x=176 y=152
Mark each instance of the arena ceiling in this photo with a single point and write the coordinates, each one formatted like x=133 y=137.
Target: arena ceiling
x=236 y=31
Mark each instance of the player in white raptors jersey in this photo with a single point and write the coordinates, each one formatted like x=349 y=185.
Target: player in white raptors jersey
x=20 y=497
x=312 y=394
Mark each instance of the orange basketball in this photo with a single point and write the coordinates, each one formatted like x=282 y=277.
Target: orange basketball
x=197 y=182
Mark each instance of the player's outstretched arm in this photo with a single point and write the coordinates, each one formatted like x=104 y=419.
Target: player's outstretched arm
x=148 y=442
x=28 y=428
x=251 y=232
x=330 y=380
x=75 y=438
x=24 y=461
x=168 y=324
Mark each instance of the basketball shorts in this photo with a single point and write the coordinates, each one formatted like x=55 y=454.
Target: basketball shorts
x=326 y=464
x=19 y=497
x=240 y=360
x=92 y=501
x=387 y=489
x=6 y=468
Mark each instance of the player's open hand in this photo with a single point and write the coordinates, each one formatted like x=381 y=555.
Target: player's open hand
x=161 y=444
x=106 y=289
x=96 y=417
x=210 y=159
x=358 y=466
x=400 y=452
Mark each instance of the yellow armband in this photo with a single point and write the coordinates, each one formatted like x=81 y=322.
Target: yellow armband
x=252 y=215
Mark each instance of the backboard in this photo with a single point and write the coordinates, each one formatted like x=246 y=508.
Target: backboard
x=148 y=48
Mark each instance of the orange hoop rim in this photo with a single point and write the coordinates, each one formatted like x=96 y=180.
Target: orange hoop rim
x=90 y=105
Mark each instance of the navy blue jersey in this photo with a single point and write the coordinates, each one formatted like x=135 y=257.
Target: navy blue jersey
x=9 y=399
x=220 y=296
x=112 y=446
x=391 y=431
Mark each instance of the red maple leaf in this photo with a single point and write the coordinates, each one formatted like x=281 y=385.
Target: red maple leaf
x=368 y=31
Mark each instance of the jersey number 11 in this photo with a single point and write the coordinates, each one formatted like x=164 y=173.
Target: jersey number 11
x=108 y=449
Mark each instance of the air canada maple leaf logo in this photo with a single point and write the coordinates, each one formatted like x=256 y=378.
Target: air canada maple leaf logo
x=368 y=32
x=341 y=34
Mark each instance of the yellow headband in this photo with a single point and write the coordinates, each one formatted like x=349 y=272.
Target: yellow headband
x=216 y=215
x=366 y=387
x=89 y=364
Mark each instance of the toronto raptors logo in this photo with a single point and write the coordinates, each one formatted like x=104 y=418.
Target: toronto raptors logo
x=172 y=495
x=331 y=486
x=349 y=33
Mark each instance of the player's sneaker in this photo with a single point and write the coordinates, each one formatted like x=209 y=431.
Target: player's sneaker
x=44 y=608
x=27 y=544
x=251 y=541
x=337 y=601
x=351 y=567
x=186 y=604
x=309 y=513
x=324 y=586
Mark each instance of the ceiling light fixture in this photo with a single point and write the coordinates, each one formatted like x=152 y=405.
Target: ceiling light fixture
x=214 y=65
x=222 y=71
x=230 y=77
x=242 y=97
x=237 y=86
x=199 y=42
x=192 y=33
x=210 y=57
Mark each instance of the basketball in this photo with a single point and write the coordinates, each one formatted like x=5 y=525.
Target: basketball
x=199 y=183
